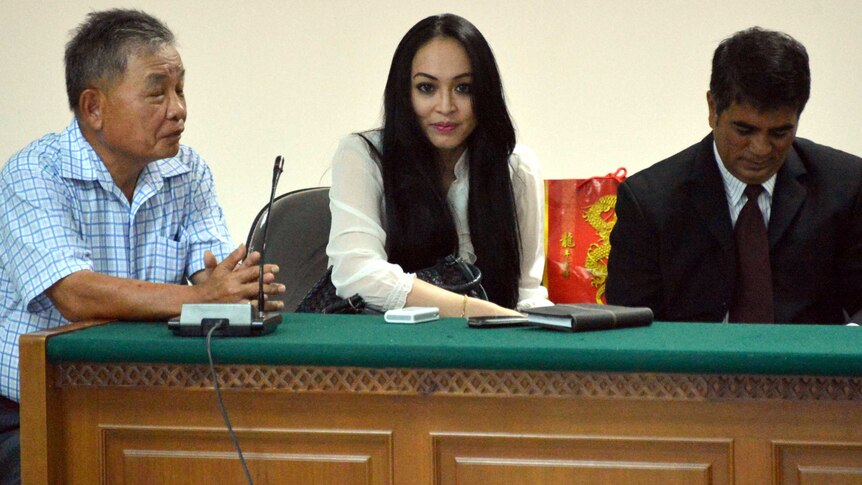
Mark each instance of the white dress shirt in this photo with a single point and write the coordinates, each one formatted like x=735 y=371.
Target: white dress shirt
x=357 y=239
x=734 y=188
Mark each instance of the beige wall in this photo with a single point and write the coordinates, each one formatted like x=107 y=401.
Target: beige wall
x=592 y=85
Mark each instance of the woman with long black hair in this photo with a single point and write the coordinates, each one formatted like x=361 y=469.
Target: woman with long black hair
x=442 y=176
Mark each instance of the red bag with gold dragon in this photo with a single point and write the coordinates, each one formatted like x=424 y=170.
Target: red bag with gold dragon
x=579 y=216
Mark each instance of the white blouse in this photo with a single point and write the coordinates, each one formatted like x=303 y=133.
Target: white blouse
x=357 y=239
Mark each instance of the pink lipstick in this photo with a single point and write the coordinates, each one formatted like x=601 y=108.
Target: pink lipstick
x=444 y=127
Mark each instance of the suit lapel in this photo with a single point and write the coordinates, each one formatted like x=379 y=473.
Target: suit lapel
x=707 y=194
x=789 y=194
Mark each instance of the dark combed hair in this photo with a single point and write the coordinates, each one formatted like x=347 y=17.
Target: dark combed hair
x=100 y=47
x=420 y=226
x=766 y=69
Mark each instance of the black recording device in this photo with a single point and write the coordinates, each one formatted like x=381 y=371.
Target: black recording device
x=233 y=319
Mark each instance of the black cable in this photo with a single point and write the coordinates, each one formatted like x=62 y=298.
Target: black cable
x=221 y=403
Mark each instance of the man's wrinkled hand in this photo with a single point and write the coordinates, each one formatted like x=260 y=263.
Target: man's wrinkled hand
x=234 y=280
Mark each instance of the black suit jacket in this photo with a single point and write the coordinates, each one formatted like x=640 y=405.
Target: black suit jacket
x=673 y=248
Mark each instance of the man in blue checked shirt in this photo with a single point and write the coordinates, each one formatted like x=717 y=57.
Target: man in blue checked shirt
x=111 y=217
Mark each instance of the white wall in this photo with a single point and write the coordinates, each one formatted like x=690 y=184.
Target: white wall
x=592 y=85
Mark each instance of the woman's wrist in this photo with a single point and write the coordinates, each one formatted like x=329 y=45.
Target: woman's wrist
x=482 y=308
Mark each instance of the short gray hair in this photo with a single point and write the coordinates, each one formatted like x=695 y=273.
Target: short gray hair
x=101 y=45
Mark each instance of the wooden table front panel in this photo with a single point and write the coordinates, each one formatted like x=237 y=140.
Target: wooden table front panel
x=174 y=434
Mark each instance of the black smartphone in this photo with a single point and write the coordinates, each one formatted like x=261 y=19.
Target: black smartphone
x=496 y=322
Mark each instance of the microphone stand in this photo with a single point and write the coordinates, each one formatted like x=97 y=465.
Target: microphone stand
x=233 y=319
x=277 y=168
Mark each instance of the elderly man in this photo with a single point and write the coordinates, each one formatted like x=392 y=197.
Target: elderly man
x=752 y=224
x=111 y=217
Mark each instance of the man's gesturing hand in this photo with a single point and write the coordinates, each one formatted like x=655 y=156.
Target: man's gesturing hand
x=234 y=280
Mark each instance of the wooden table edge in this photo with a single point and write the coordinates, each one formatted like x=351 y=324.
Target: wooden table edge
x=38 y=449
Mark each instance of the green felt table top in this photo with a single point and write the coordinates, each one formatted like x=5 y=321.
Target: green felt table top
x=367 y=341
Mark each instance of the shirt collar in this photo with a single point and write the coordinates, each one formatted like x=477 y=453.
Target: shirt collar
x=84 y=163
x=734 y=187
x=461 y=166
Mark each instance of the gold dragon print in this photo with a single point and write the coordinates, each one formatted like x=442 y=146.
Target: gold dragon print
x=597 y=255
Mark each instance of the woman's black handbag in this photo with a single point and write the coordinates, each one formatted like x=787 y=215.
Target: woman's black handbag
x=450 y=273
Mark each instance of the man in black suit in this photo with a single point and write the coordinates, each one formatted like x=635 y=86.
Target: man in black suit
x=676 y=248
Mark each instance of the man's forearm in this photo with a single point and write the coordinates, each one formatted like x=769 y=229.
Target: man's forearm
x=86 y=295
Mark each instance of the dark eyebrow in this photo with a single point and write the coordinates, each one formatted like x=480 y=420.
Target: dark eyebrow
x=156 y=79
x=744 y=126
x=459 y=76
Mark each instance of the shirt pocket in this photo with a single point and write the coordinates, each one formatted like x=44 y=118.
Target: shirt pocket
x=166 y=261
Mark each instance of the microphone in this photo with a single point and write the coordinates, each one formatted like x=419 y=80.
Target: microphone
x=233 y=319
x=276 y=174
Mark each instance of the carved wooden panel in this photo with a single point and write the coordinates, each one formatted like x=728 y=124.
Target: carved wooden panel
x=468 y=382
x=492 y=459
x=800 y=463
x=192 y=456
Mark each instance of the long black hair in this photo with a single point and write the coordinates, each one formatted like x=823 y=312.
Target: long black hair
x=420 y=226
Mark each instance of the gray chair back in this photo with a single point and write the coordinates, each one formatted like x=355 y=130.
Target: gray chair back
x=297 y=239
